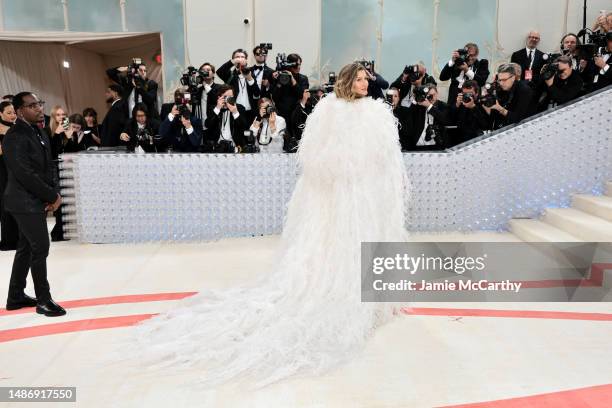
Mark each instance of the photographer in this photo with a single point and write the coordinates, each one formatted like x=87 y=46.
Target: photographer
x=289 y=84
x=236 y=74
x=141 y=131
x=603 y=61
x=428 y=118
x=468 y=114
x=91 y=125
x=530 y=59
x=261 y=71
x=509 y=100
x=560 y=82
x=402 y=114
x=413 y=75
x=137 y=87
x=310 y=98
x=227 y=123
x=268 y=128
x=181 y=130
x=464 y=66
x=77 y=140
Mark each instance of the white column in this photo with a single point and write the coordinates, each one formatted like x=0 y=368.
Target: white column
x=379 y=36
x=123 y=20
x=65 y=7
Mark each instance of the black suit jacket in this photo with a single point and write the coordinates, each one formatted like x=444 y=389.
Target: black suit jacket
x=481 y=74
x=287 y=97
x=147 y=93
x=228 y=74
x=32 y=178
x=522 y=58
x=267 y=74
x=113 y=124
x=238 y=126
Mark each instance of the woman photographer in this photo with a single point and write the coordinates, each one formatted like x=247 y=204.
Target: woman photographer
x=8 y=228
x=91 y=125
x=141 y=131
x=268 y=127
x=76 y=138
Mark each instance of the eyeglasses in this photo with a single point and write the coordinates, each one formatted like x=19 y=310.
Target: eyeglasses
x=499 y=79
x=533 y=38
x=35 y=105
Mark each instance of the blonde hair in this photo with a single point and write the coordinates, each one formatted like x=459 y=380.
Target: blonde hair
x=345 y=80
x=53 y=124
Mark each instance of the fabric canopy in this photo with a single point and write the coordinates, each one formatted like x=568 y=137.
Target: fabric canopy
x=35 y=61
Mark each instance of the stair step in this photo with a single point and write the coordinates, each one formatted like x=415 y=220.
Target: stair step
x=609 y=188
x=530 y=230
x=580 y=224
x=599 y=206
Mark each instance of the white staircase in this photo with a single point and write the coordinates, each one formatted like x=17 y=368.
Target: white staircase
x=589 y=219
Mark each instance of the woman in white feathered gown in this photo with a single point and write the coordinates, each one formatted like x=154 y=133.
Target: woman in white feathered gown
x=306 y=316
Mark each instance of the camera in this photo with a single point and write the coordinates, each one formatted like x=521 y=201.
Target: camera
x=269 y=110
x=468 y=97
x=246 y=21
x=413 y=72
x=421 y=93
x=434 y=132
x=250 y=146
x=132 y=72
x=143 y=136
x=282 y=64
x=368 y=65
x=265 y=47
x=331 y=82
x=490 y=98
x=192 y=77
x=595 y=44
x=230 y=100
x=181 y=104
x=550 y=70
x=463 y=57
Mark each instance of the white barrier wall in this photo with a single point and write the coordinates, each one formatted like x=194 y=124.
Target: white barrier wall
x=183 y=197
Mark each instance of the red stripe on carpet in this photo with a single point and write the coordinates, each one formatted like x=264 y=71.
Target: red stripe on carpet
x=72 y=326
x=591 y=397
x=111 y=300
x=525 y=314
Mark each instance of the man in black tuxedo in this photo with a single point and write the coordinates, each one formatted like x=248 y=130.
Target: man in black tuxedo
x=262 y=72
x=238 y=75
x=181 y=130
x=464 y=68
x=603 y=66
x=467 y=113
x=227 y=123
x=116 y=117
x=530 y=59
x=136 y=86
x=428 y=118
x=289 y=86
x=31 y=191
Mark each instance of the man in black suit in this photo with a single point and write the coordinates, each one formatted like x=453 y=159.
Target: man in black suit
x=464 y=68
x=262 y=72
x=289 y=86
x=402 y=114
x=530 y=59
x=181 y=130
x=603 y=66
x=238 y=75
x=428 y=118
x=227 y=123
x=32 y=190
x=136 y=86
x=116 y=117
x=514 y=99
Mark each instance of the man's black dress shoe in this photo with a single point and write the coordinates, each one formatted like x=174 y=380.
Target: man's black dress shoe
x=18 y=303
x=50 y=308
